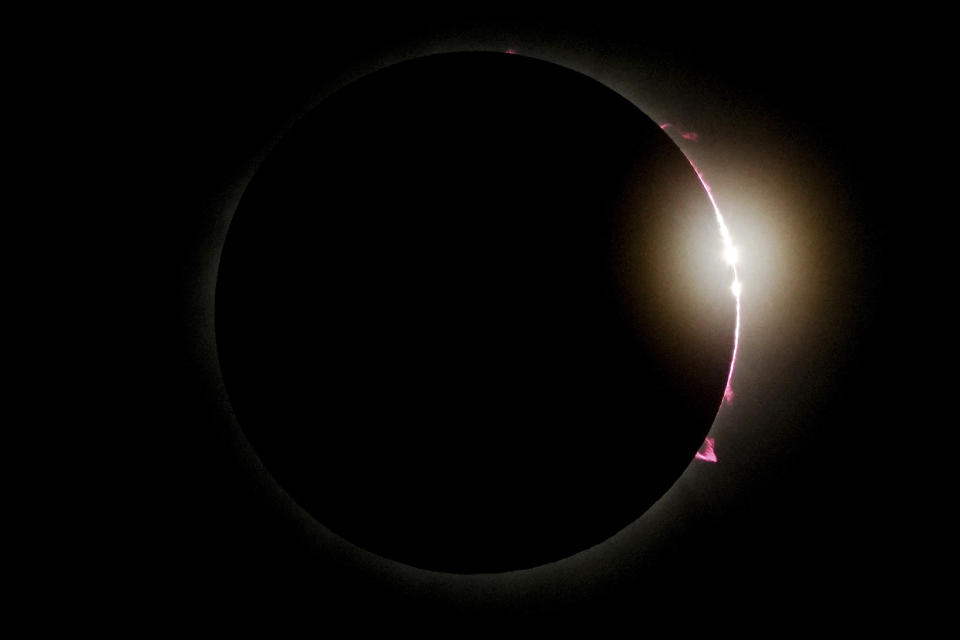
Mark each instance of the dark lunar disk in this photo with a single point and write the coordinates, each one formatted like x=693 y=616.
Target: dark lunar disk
x=460 y=315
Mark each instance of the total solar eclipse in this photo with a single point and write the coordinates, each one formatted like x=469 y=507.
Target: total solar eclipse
x=462 y=313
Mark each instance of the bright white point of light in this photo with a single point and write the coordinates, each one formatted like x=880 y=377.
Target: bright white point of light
x=736 y=288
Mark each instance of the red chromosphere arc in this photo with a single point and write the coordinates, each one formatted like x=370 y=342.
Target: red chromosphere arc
x=735 y=287
x=707 y=452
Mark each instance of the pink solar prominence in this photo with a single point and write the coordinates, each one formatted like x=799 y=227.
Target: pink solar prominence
x=706 y=452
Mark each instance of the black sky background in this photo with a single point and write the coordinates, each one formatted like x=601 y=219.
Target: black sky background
x=823 y=526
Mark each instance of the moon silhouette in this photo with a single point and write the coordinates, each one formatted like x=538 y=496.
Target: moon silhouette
x=463 y=317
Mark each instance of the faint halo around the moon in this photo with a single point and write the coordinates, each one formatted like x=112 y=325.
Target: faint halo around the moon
x=458 y=318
